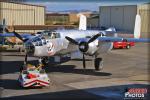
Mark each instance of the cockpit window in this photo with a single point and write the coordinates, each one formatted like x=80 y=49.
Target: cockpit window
x=39 y=41
x=54 y=35
x=45 y=32
x=42 y=38
x=51 y=34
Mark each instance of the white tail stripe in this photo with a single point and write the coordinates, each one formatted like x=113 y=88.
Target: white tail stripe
x=137 y=27
x=82 y=22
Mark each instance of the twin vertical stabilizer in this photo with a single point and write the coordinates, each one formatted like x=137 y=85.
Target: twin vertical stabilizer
x=137 y=27
x=82 y=22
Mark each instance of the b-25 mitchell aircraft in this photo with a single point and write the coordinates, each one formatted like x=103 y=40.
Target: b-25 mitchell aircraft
x=88 y=42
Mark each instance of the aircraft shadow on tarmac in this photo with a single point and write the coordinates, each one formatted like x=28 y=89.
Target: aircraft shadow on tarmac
x=57 y=67
x=14 y=84
x=22 y=55
x=10 y=84
x=116 y=92
x=71 y=69
x=81 y=59
x=7 y=67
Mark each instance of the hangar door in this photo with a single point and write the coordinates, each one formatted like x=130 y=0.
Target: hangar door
x=116 y=17
x=18 y=16
x=120 y=17
x=145 y=15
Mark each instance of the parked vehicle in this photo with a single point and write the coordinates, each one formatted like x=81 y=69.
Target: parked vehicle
x=32 y=76
x=123 y=44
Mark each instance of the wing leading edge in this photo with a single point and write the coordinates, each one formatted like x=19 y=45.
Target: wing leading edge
x=116 y=39
x=119 y=39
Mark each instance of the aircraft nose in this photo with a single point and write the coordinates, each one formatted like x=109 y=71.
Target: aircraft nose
x=30 y=48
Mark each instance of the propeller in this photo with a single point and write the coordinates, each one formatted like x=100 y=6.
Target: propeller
x=83 y=45
x=4 y=23
x=94 y=38
x=19 y=36
x=6 y=30
x=23 y=40
x=4 y=26
x=72 y=40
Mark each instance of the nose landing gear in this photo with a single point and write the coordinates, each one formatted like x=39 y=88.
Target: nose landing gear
x=43 y=60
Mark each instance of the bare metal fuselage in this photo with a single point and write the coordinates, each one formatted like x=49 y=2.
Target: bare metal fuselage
x=60 y=46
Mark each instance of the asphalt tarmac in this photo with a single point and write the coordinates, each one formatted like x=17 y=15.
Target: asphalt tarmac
x=123 y=68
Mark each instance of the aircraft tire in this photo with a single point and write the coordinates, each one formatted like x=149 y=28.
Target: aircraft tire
x=98 y=64
x=45 y=60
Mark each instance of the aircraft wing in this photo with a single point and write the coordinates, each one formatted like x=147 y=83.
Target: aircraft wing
x=116 y=39
x=12 y=35
x=120 y=39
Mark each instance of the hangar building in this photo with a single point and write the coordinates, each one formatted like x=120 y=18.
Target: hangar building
x=123 y=17
x=21 y=14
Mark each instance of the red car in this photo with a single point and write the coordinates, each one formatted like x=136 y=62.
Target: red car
x=123 y=44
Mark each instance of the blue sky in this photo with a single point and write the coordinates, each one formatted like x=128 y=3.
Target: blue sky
x=62 y=5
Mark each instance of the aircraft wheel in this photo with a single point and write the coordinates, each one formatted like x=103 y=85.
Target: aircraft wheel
x=101 y=65
x=45 y=60
x=98 y=64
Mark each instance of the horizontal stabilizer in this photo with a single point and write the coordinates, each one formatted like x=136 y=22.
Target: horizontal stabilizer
x=111 y=29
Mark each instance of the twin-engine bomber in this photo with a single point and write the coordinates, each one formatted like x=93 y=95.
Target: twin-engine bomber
x=88 y=42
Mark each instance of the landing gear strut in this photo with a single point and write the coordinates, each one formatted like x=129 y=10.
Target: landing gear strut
x=43 y=60
x=98 y=63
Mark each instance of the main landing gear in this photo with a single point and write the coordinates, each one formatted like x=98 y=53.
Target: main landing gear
x=98 y=64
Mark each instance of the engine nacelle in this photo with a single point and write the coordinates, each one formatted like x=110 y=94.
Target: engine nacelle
x=88 y=48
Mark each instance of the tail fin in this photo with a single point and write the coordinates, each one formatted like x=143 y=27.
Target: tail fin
x=82 y=22
x=4 y=22
x=137 y=27
x=4 y=25
x=111 y=29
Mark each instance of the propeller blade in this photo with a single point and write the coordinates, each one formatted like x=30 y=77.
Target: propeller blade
x=94 y=38
x=84 y=66
x=6 y=30
x=25 y=60
x=72 y=40
x=18 y=36
x=25 y=40
x=4 y=22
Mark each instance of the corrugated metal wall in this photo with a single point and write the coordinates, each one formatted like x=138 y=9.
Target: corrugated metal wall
x=22 y=14
x=120 y=17
x=144 y=11
x=105 y=19
x=123 y=17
